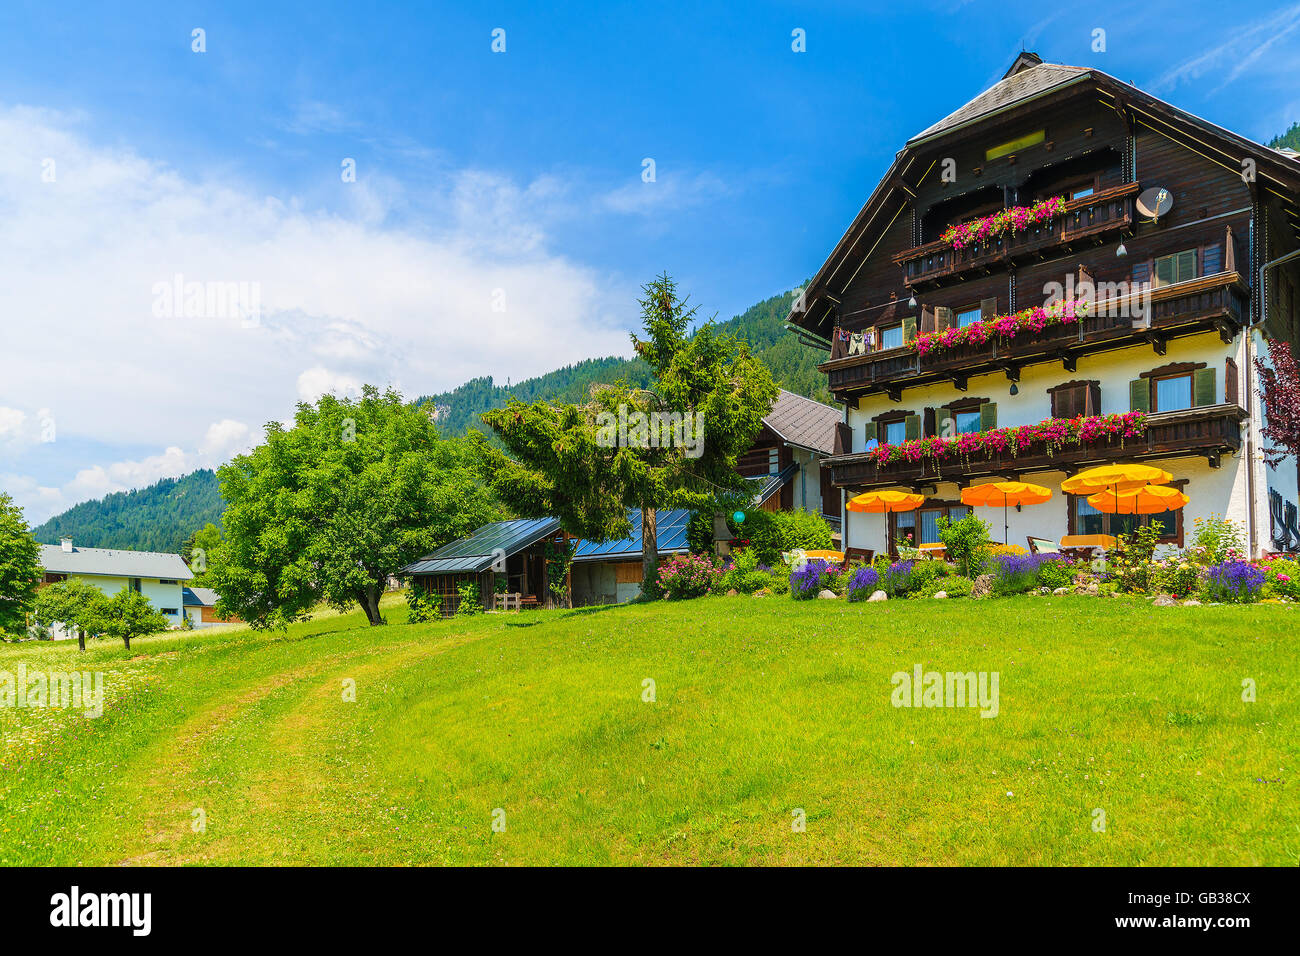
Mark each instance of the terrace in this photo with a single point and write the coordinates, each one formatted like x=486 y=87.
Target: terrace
x=1207 y=431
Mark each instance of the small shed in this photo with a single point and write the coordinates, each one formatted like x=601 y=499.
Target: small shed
x=609 y=572
x=514 y=548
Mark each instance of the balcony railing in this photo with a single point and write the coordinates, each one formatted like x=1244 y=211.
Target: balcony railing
x=1218 y=302
x=1206 y=431
x=1107 y=211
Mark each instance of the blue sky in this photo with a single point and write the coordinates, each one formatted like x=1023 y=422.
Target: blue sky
x=499 y=223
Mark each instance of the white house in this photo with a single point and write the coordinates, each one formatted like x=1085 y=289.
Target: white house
x=158 y=576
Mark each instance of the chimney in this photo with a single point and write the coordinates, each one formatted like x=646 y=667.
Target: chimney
x=67 y=544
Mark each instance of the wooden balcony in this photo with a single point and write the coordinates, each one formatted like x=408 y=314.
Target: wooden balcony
x=1214 y=303
x=1207 y=431
x=1087 y=219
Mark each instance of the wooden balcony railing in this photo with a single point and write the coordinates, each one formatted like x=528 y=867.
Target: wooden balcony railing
x=1212 y=303
x=1206 y=431
x=1107 y=211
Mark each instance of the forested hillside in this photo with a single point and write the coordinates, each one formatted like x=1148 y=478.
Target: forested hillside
x=794 y=367
x=158 y=518
x=1288 y=140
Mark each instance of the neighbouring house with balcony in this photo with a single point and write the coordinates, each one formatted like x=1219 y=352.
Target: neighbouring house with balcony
x=787 y=461
x=1064 y=272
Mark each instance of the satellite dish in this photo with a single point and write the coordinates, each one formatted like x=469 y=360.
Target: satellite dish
x=1155 y=202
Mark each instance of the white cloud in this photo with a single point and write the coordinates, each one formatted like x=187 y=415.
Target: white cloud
x=1240 y=49
x=315 y=382
x=346 y=297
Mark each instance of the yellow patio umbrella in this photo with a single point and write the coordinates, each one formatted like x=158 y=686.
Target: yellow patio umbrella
x=1005 y=493
x=1144 y=500
x=880 y=502
x=1114 y=478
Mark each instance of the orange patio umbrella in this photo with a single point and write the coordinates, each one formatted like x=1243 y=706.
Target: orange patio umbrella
x=1144 y=500
x=1005 y=493
x=880 y=502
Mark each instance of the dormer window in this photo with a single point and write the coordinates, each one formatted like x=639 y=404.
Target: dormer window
x=891 y=337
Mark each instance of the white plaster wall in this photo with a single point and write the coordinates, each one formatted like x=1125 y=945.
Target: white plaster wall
x=159 y=595
x=1222 y=491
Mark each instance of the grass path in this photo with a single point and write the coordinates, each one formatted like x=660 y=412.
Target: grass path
x=761 y=709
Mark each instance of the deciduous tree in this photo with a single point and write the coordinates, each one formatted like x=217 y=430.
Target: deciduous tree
x=1279 y=389
x=329 y=508
x=20 y=568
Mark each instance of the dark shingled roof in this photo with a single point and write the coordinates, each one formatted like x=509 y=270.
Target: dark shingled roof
x=803 y=422
x=1026 y=79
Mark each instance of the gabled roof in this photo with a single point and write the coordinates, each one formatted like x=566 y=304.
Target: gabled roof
x=670 y=538
x=801 y=421
x=1026 y=80
x=475 y=553
x=199 y=597
x=114 y=563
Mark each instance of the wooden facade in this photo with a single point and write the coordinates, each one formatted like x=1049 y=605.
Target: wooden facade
x=1177 y=315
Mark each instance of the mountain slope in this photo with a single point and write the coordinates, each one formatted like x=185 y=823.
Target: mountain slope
x=158 y=518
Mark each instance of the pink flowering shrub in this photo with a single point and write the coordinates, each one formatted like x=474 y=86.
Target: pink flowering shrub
x=689 y=576
x=1015 y=219
x=1051 y=433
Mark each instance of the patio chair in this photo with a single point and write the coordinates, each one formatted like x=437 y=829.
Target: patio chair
x=1042 y=545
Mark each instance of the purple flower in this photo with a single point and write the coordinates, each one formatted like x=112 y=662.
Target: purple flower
x=808 y=579
x=1235 y=581
x=863 y=583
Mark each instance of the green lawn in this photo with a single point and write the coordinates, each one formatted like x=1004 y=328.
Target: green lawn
x=763 y=707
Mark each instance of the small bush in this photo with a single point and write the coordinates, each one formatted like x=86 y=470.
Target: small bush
x=957 y=586
x=752 y=581
x=897 y=581
x=772 y=533
x=689 y=576
x=1018 y=573
x=863 y=582
x=1216 y=540
x=1237 y=582
x=967 y=543
x=810 y=578
x=422 y=605
x=1055 y=573
x=1283 y=578
x=469 y=599
x=1179 y=578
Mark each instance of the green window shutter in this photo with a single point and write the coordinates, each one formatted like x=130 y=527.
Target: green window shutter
x=1139 y=395
x=912 y=427
x=988 y=416
x=1186 y=265
x=943 y=423
x=909 y=329
x=943 y=317
x=1204 y=387
x=1165 y=271
x=988 y=308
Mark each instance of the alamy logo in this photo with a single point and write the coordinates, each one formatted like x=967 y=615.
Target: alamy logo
x=636 y=429
x=953 y=689
x=78 y=689
x=103 y=909
x=179 y=299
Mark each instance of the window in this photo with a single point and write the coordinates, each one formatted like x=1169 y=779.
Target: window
x=1079 y=192
x=966 y=423
x=968 y=316
x=135 y=585
x=1085 y=519
x=170 y=610
x=891 y=337
x=1179 y=267
x=895 y=432
x=905 y=523
x=165 y=581
x=1173 y=393
x=1073 y=399
x=1014 y=146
